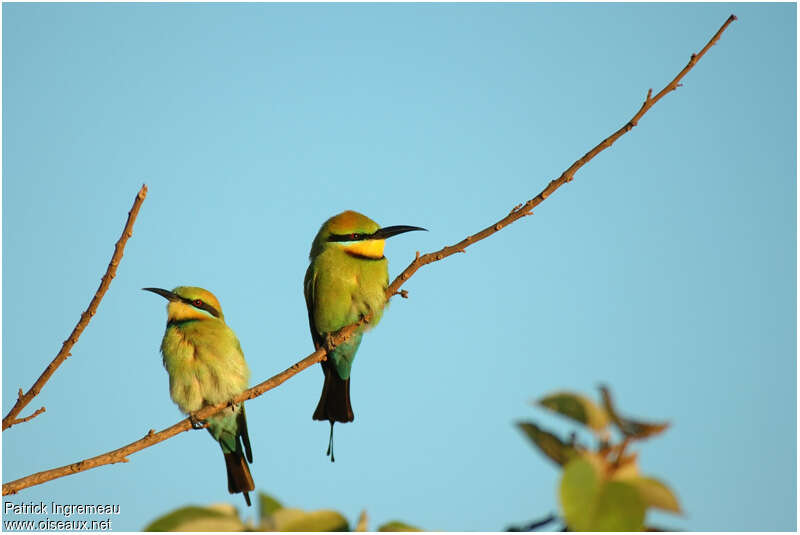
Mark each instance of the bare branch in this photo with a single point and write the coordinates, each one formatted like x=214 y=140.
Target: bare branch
x=524 y=209
x=120 y=455
x=520 y=211
x=23 y=399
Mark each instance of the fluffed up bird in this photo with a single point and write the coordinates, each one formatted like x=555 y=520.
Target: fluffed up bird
x=346 y=280
x=206 y=366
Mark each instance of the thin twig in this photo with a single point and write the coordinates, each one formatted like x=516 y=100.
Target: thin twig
x=27 y=418
x=621 y=452
x=120 y=455
x=23 y=399
x=533 y=526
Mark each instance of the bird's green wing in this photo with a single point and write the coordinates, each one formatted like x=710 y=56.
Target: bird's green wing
x=242 y=423
x=241 y=420
x=309 y=287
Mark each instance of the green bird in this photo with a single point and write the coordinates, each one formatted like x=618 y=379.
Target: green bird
x=346 y=280
x=206 y=366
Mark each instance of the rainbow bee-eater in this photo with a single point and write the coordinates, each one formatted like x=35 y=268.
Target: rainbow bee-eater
x=206 y=366
x=346 y=280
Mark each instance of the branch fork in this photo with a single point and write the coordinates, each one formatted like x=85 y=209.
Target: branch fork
x=23 y=399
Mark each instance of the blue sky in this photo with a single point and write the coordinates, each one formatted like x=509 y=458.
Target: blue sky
x=667 y=269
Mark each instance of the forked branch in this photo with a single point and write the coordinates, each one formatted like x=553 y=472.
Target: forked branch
x=23 y=399
x=518 y=212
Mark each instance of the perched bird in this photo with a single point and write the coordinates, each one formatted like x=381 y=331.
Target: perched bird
x=346 y=280
x=206 y=366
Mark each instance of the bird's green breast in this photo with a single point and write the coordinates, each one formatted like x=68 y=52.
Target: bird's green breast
x=345 y=288
x=205 y=363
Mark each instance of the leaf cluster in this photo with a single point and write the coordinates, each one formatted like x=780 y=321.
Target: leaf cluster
x=273 y=516
x=601 y=489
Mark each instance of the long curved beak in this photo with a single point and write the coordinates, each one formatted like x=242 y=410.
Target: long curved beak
x=388 y=232
x=164 y=293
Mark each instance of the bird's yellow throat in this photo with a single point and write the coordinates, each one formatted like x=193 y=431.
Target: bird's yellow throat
x=367 y=248
x=177 y=311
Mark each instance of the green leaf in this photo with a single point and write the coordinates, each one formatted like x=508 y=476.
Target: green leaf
x=548 y=443
x=267 y=505
x=656 y=494
x=630 y=428
x=592 y=503
x=578 y=407
x=177 y=519
x=227 y=523
x=288 y=519
x=282 y=517
x=580 y=485
x=619 y=507
x=396 y=525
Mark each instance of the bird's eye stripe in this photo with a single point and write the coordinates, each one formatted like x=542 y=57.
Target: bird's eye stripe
x=198 y=303
x=356 y=236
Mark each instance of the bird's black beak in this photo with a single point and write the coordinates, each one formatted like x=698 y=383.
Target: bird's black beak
x=164 y=293
x=388 y=232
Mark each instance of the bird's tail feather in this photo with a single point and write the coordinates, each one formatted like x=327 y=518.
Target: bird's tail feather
x=239 y=478
x=334 y=403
